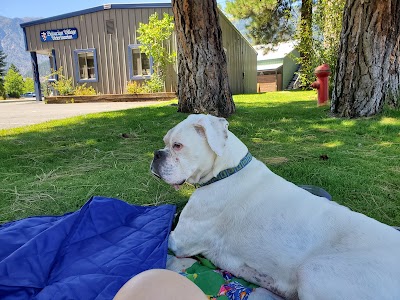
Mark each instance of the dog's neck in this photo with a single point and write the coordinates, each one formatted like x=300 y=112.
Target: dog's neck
x=233 y=153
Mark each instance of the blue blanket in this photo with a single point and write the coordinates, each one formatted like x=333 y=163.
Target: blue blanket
x=88 y=254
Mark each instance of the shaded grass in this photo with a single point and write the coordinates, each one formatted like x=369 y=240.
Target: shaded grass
x=54 y=167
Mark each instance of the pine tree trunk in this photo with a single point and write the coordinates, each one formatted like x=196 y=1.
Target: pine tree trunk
x=367 y=72
x=203 y=85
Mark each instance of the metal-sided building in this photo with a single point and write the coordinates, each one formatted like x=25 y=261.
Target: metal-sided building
x=98 y=46
x=277 y=67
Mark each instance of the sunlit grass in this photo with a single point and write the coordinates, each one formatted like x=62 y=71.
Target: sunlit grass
x=333 y=144
x=389 y=121
x=55 y=167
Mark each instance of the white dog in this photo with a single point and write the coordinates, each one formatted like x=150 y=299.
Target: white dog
x=258 y=226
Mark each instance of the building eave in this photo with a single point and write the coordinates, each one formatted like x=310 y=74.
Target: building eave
x=96 y=9
x=271 y=67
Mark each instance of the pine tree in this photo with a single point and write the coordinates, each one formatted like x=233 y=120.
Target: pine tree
x=269 y=21
x=368 y=69
x=15 y=69
x=2 y=73
x=313 y=24
x=275 y=21
x=203 y=85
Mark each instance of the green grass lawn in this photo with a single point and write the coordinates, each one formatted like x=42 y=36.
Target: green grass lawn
x=54 y=167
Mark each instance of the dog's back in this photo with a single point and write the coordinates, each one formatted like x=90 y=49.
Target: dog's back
x=298 y=243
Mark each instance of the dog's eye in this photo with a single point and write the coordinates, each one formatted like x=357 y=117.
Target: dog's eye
x=177 y=146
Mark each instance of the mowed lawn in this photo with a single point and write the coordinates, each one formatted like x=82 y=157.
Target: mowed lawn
x=55 y=167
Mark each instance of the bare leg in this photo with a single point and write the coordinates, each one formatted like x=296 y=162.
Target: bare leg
x=159 y=284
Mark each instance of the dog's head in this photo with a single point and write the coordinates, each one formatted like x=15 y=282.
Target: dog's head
x=191 y=148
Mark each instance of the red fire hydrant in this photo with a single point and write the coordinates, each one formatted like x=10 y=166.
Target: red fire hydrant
x=322 y=83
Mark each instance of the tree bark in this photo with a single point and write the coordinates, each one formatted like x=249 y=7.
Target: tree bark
x=367 y=72
x=203 y=85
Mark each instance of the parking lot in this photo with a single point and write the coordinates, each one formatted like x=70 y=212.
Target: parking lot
x=22 y=112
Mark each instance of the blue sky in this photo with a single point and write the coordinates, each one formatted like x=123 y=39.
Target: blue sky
x=49 y=8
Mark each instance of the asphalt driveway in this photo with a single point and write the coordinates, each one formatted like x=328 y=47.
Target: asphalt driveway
x=28 y=112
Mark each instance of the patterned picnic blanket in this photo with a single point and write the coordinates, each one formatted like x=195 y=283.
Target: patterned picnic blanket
x=218 y=284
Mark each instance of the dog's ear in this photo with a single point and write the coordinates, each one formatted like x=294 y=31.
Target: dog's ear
x=215 y=131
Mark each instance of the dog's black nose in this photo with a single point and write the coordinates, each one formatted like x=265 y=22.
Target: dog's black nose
x=158 y=154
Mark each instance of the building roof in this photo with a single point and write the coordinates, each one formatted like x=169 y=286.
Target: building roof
x=96 y=9
x=161 y=4
x=270 y=67
x=279 y=51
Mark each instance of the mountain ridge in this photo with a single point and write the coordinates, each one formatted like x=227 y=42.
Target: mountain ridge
x=13 y=45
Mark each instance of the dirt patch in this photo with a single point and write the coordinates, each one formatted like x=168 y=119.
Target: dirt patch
x=276 y=160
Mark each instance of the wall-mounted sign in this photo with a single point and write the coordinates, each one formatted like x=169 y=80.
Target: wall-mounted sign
x=58 y=34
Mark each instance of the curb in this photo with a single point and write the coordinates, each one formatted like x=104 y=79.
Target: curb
x=19 y=100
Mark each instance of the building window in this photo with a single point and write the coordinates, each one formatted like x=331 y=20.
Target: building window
x=86 y=65
x=140 y=65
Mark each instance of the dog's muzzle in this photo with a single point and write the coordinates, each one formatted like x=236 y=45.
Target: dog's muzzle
x=159 y=157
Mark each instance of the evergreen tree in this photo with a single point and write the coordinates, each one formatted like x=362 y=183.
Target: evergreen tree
x=15 y=69
x=368 y=67
x=2 y=63
x=275 y=21
x=2 y=73
x=316 y=30
x=203 y=85
x=269 y=21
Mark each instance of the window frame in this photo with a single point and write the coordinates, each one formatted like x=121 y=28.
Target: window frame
x=77 y=70
x=130 y=61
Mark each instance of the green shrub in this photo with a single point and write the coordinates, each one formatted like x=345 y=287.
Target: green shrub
x=133 y=87
x=29 y=85
x=63 y=85
x=83 y=90
x=155 y=84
